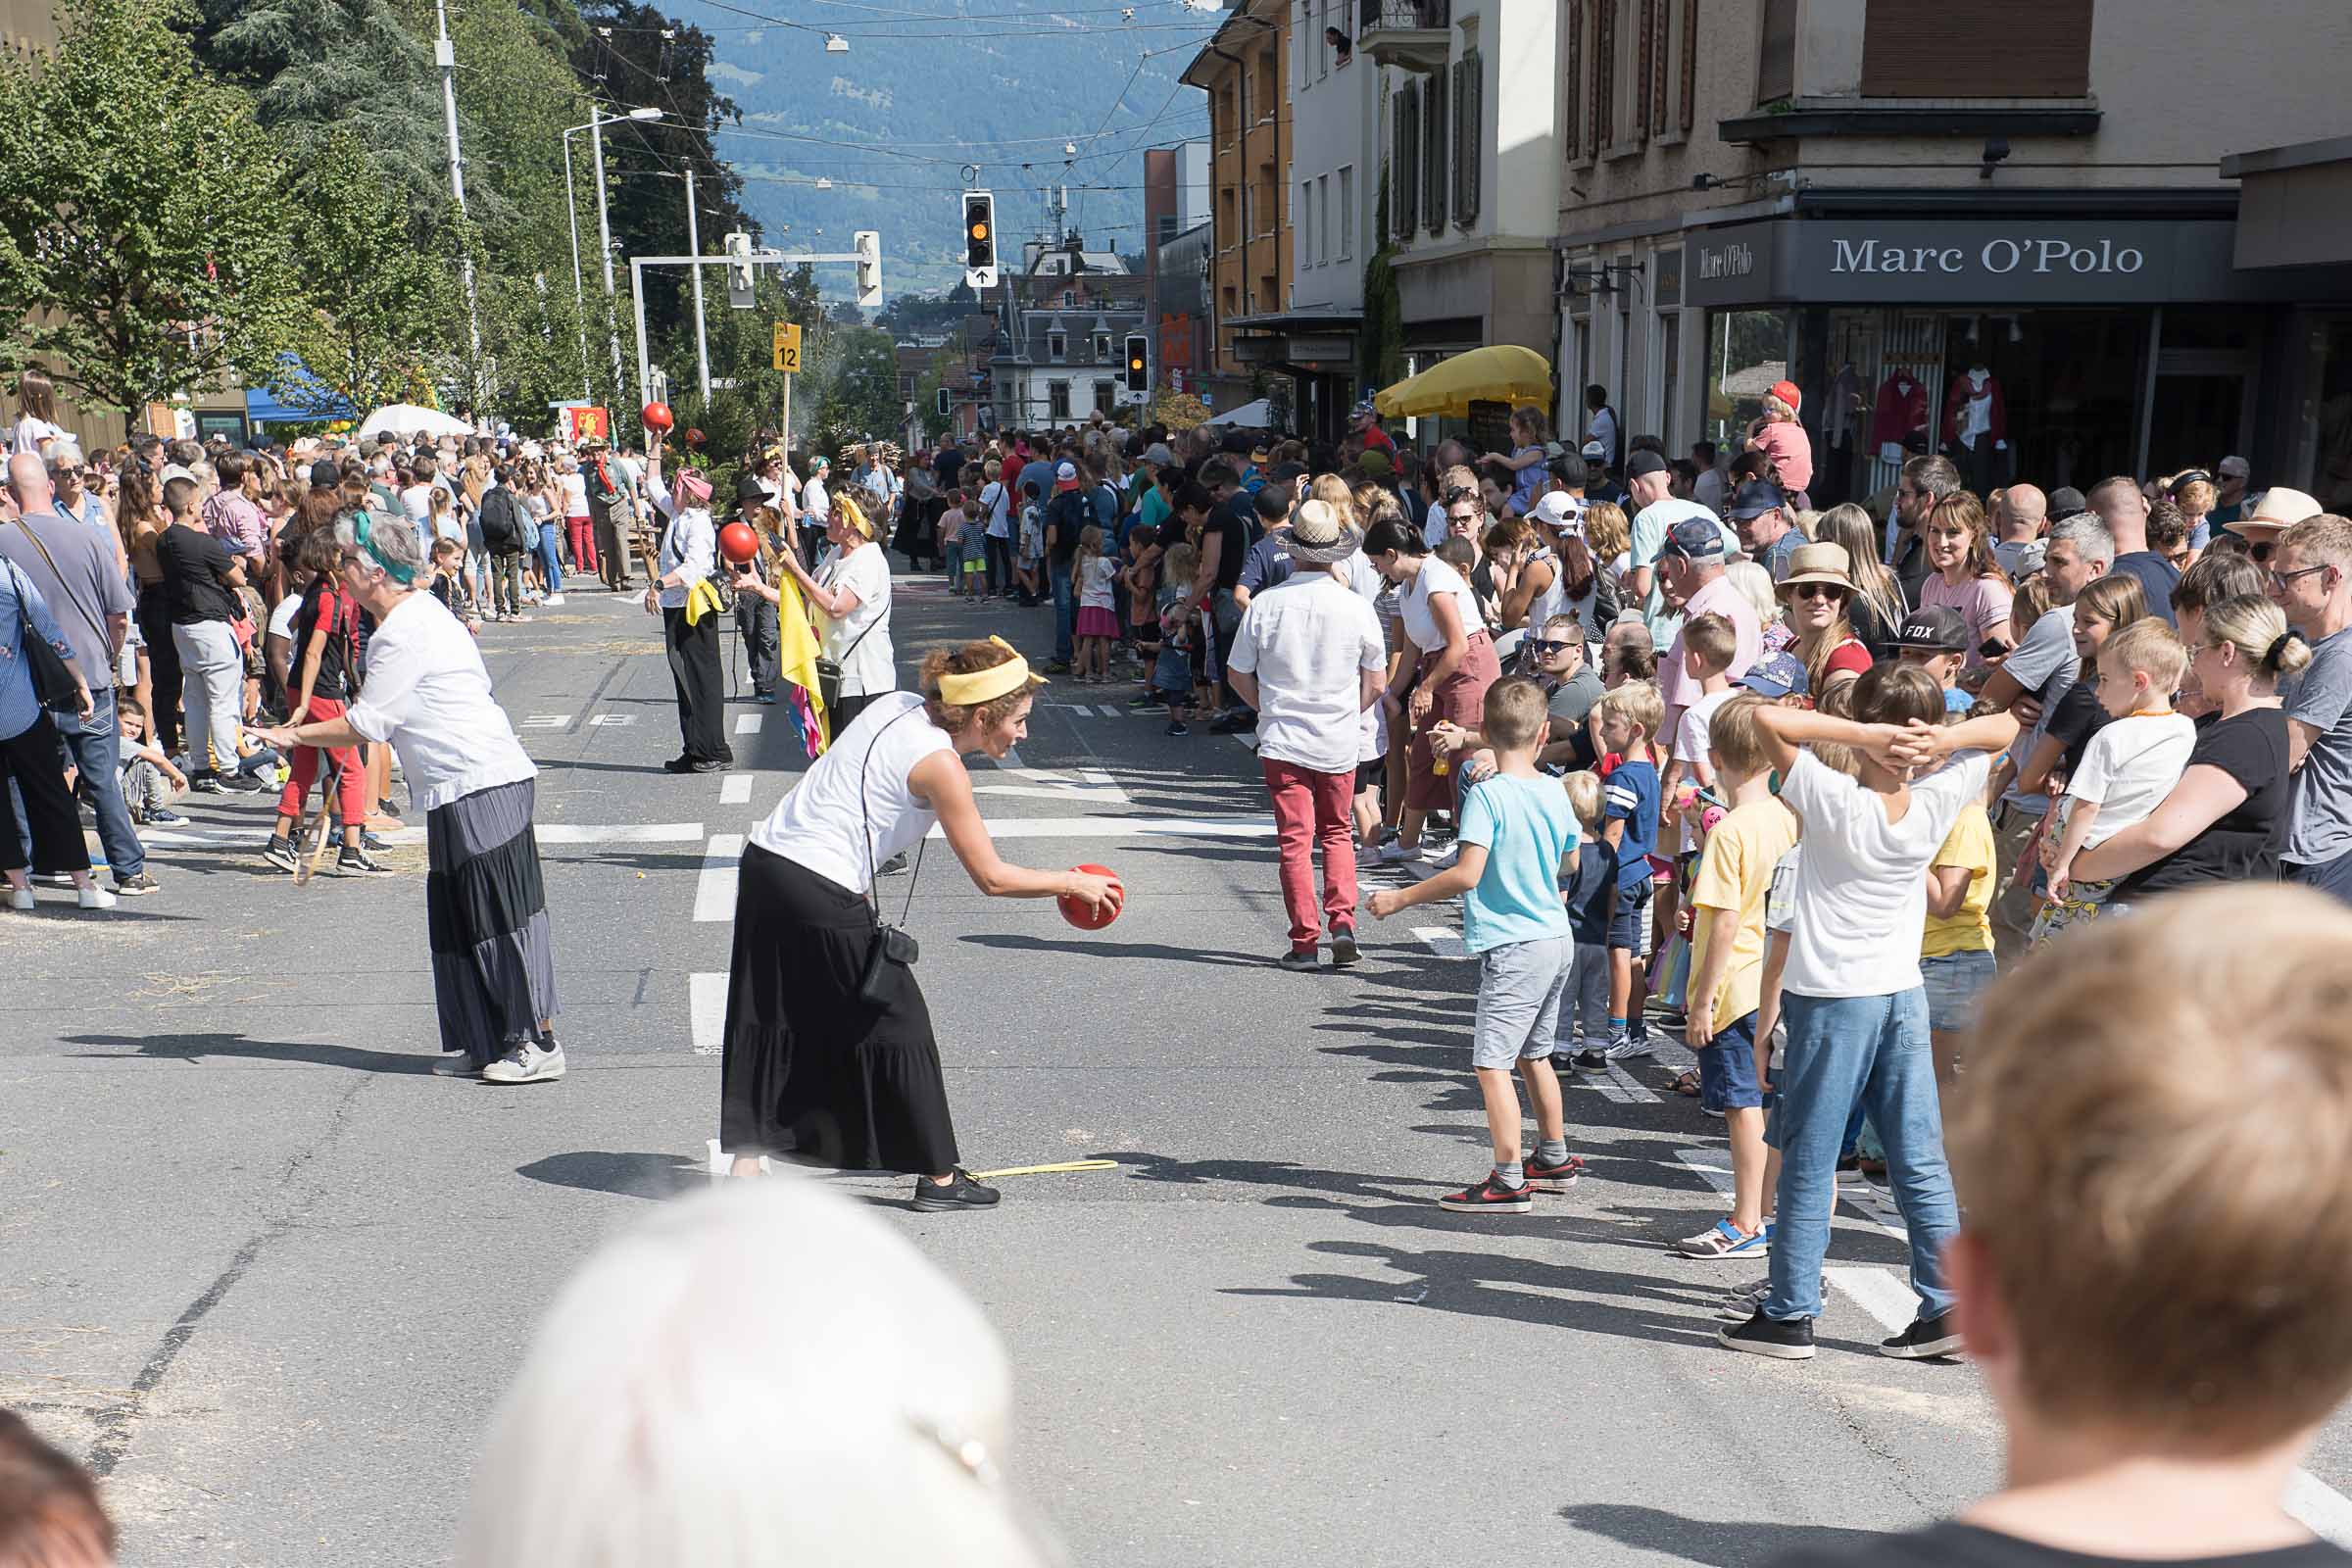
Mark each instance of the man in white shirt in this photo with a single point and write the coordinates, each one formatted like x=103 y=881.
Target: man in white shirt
x=1311 y=658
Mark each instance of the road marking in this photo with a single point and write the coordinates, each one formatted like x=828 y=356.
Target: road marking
x=1880 y=1294
x=547 y=721
x=736 y=791
x=714 y=888
x=616 y=720
x=637 y=833
x=1630 y=1090
x=1444 y=943
x=1714 y=1165
x=749 y=723
x=2321 y=1509
x=1110 y=711
x=1060 y=784
x=547 y=833
x=1079 y=710
x=707 y=1012
x=1127 y=827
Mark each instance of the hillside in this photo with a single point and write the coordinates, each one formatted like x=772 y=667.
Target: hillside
x=926 y=88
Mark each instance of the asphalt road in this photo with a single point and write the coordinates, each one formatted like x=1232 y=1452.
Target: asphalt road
x=268 y=1275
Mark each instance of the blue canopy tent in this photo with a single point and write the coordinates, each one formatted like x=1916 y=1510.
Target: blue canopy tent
x=261 y=404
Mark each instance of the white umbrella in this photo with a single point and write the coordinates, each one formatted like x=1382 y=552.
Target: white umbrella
x=1253 y=415
x=410 y=418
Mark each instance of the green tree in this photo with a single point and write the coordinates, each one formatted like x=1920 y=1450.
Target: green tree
x=149 y=205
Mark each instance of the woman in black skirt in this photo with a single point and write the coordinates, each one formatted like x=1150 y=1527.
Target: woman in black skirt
x=825 y=1061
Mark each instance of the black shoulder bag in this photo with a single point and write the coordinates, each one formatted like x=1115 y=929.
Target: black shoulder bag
x=53 y=684
x=892 y=944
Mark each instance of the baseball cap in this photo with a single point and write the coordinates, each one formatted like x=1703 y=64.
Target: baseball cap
x=1365 y=410
x=1788 y=393
x=1936 y=629
x=1159 y=455
x=326 y=474
x=1776 y=675
x=2235 y=467
x=1559 y=509
x=1692 y=539
x=1065 y=476
x=1644 y=462
x=1756 y=498
x=1596 y=451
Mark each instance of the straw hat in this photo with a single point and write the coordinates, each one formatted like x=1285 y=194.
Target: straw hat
x=1818 y=563
x=2278 y=507
x=1317 y=537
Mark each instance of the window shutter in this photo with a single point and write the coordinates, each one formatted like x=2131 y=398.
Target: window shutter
x=1435 y=133
x=1605 y=75
x=1572 y=74
x=1932 y=49
x=1468 y=138
x=1404 y=194
x=1661 y=58
x=1644 y=101
x=1690 y=105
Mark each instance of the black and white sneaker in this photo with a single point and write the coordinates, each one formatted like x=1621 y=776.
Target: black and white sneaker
x=279 y=852
x=1925 y=1340
x=959 y=1193
x=1782 y=1338
x=355 y=860
x=136 y=885
x=207 y=783
x=1490 y=1197
x=1591 y=1061
x=526 y=1062
x=1343 y=952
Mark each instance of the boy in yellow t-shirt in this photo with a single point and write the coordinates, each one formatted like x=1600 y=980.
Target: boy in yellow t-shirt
x=1726 y=966
x=1955 y=949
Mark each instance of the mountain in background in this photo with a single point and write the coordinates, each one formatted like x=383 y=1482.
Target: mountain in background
x=927 y=87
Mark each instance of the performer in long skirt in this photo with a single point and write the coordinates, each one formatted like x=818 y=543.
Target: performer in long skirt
x=427 y=693
x=830 y=1054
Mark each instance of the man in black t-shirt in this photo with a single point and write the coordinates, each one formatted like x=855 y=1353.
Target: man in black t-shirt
x=1068 y=515
x=200 y=582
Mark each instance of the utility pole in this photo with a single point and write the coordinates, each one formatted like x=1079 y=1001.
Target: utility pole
x=694 y=244
x=445 y=55
x=604 y=243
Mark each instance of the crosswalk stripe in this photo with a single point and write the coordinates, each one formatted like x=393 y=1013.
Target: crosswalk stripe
x=707 y=1012
x=736 y=791
x=749 y=723
x=1444 y=942
x=1127 y=827
x=714 y=888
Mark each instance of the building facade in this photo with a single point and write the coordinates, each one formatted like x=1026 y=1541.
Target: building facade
x=1999 y=229
x=1059 y=350
x=1243 y=71
x=1175 y=201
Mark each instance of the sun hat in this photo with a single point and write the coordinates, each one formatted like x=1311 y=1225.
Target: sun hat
x=2276 y=508
x=1317 y=537
x=1777 y=675
x=1819 y=562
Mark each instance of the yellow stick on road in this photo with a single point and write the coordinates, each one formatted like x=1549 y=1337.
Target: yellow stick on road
x=1046 y=1170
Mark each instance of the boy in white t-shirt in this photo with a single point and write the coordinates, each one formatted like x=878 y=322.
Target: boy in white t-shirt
x=2128 y=768
x=1852 y=992
x=1710 y=645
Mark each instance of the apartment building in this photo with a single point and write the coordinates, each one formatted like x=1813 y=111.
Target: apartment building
x=1058 y=355
x=2102 y=209
x=1242 y=69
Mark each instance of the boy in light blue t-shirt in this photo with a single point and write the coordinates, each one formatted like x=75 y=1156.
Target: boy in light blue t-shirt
x=1518 y=839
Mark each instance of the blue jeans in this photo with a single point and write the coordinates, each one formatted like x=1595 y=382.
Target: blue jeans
x=95 y=745
x=1842 y=1050
x=550 y=533
x=1066 y=608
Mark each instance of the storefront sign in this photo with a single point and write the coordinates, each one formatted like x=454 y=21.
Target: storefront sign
x=1918 y=262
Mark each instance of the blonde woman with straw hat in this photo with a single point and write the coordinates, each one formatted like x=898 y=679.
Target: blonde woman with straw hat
x=829 y=1053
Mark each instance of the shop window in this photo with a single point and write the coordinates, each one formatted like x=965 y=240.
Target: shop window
x=1746 y=352
x=2326 y=445
x=1975 y=48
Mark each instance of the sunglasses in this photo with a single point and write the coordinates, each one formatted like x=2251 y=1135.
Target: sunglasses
x=1816 y=590
x=1461 y=517
x=1545 y=647
x=2279 y=579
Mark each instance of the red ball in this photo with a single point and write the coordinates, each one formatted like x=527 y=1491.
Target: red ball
x=1078 y=914
x=694 y=438
x=657 y=416
x=737 y=543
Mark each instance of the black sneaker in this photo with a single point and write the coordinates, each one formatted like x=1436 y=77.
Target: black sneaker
x=280 y=853
x=1782 y=1338
x=356 y=861
x=1299 y=962
x=1344 y=953
x=161 y=817
x=1233 y=724
x=1553 y=1178
x=207 y=783
x=1592 y=1060
x=1145 y=701
x=131 y=887
x=1177 y=726
x=1490 y=1197
x=1925 y=1340
x=960 y=1193
x=386 y=809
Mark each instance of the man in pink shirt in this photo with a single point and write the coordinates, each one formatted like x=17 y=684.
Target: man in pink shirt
x=232 y=515
x=1691 y=565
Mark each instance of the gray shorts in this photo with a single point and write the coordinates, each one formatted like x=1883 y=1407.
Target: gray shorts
x=1520 y=986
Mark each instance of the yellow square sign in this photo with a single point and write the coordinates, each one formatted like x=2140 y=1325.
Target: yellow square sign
x=788 y=347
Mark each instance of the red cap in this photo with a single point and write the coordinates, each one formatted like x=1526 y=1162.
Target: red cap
x=1788 y=393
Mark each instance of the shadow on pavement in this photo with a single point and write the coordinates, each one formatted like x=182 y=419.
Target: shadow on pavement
x=196 y=1048
x=1717 y=1543
x=1079 y=947
x=593 y=1170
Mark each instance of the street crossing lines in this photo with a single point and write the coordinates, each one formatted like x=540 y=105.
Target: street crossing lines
x=614 y=720
x=624 y=833
x=749 y=723
x=736 y=791
x=1444 y=943
x=707 y=1012
x=1620 y=1087
x=1127 y=827
x=714 y=888
x=546 y=720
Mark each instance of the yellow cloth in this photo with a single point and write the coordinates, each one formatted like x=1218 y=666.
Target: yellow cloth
x=702 y=600
x=1969 y=928
x=1735 y=872
x=798 y=648
x=1501 y=372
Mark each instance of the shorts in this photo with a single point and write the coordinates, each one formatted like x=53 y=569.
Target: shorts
x=1629 y=926
x=1520 y=985
x=1952 y=982
x=1371 y=775
x=1726 y=1068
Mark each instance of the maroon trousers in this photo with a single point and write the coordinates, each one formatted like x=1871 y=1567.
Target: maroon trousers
x=1310 y=808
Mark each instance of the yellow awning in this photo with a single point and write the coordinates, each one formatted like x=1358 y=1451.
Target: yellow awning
x=1501 y=372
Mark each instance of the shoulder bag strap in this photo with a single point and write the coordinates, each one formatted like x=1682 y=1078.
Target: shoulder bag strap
x=865 y=814
x=860 y=637
x=79 y=608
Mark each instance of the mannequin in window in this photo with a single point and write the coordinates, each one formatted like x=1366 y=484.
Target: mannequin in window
x=1899 y=411
x=1976 y=427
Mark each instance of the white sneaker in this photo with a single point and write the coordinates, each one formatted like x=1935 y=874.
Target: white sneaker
x=526 y=1064
x=456 y=1064
x=553 y=599
x=19 y=898
x=90 y=898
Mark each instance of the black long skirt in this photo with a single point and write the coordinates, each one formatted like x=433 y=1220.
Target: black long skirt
x=485 y=909
x=810 y=1070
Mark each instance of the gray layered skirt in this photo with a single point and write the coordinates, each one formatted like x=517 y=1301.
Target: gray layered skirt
x=494 y=962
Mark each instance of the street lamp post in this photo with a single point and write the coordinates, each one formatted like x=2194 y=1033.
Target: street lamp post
x=604 y=232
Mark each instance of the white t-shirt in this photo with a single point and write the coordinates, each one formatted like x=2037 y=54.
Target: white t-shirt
x=2129 y=767
x=997 y=497
x=1308 y=641
x=417 y=501
x=822 y=823
x=1861 y=897
x=575 y=493
x=869 y=666
x=281 y=619
x=814 y=501
x=1412 y=604
x=427 y=694
x=1434 y=526
x=1690 y=746
x=31 y=432
x=1095 y=592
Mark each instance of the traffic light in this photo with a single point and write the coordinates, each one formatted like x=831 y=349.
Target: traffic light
x=980 y=238
x=869 y=245
x=739 y=270
x=942 y=402
x=1138 y=364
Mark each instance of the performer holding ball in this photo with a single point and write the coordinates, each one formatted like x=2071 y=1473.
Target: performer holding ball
x=829 y=1051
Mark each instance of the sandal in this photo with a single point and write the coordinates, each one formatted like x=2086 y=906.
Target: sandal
x=1685 y=1083
x=1725 y=1240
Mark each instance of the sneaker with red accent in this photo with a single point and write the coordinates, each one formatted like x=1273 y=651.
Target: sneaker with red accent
x=1553 y=1178
x=1490 y=1197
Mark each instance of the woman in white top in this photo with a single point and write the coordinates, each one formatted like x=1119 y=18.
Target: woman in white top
x=852 y=592
x=829 y=1049
x=1449 y=681
x=428 y=695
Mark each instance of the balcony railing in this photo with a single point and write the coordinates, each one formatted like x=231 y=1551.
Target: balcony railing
x=1414 y=34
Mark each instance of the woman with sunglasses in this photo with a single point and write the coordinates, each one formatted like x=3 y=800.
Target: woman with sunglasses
x=1818 y=589
x=1878 y=605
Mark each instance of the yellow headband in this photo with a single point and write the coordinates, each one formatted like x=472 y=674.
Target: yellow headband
x=987 y=685
x=857 y=517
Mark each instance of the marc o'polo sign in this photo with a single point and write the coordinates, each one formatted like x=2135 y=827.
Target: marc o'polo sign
x=1975 y=263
